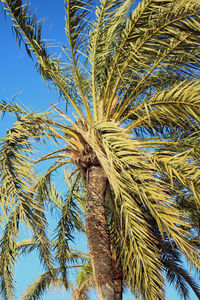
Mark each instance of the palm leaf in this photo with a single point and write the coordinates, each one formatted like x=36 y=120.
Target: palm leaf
x=102 y=43
x=42 y=284
x=16 y=176
x=152 y=47
x=138 y=192
x=30 y=28
x=170 y=110
x=181 y=279
x=76 y=29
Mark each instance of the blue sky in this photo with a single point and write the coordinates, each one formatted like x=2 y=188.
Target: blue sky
x=19 y=77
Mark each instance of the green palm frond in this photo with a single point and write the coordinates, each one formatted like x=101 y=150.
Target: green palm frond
x=158 y=41
x=76 y=188
x=84 y=280
x=106 y=29
x=174 y=269
x=78 y=14
x=125 y=159
x=181 y=170
x=68 y=222
x=42 y=284
x=26 y=25
x=77 y=32
x=8 y=255
x=16 y=176
x=10 y=248
x=54 y=279
x=181 y=279
x=177 y=274
x=139 y=192
x=11 y=107
x=174 y=109
x=103 y=37
x=51 y=279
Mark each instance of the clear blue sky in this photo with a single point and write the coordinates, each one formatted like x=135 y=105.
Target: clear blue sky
x=18 y=75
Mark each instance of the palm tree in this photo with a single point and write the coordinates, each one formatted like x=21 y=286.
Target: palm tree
x=131 y=77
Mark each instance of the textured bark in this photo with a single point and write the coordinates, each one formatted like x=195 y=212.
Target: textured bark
x=118 y=278
x=98 y=234
x=118 y=288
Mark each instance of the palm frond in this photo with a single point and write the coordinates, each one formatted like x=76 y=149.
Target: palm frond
x=181 y=279
x=76 y=188
x=64 y=234
x=77 y=27
x=8 y=255
x=10 y=248
x=181 y=170
x=158 y=41
x=28 y=29
x=42 y=284
x=174 y=109
x=17 y=179
x=137 y=230
x=102 y=42
x=138 y=190
x=85 y=279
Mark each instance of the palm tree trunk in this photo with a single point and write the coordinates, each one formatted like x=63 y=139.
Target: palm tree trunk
x=98 y=234
x=118 y=278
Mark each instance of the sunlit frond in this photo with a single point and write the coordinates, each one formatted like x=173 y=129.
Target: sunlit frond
x=17 y=179
x=77 y=31
x=42 y=284
x=51 y=69
x=139 y=191
x=174 y=109
x=103 y=37
x=158 y=43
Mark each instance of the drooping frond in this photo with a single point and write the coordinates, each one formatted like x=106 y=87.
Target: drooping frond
x=180 y=279
x=28 y=29
x=10 y=247
x=8 y=255
x=174 y=268
x=173 y=111
x=132 y=216
x=138 y=192
x=17 y=179
x=64 y=234
x=84 y=280
x=53 y=279
x=77 y=190
x=42 y=284
x=181 y=171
